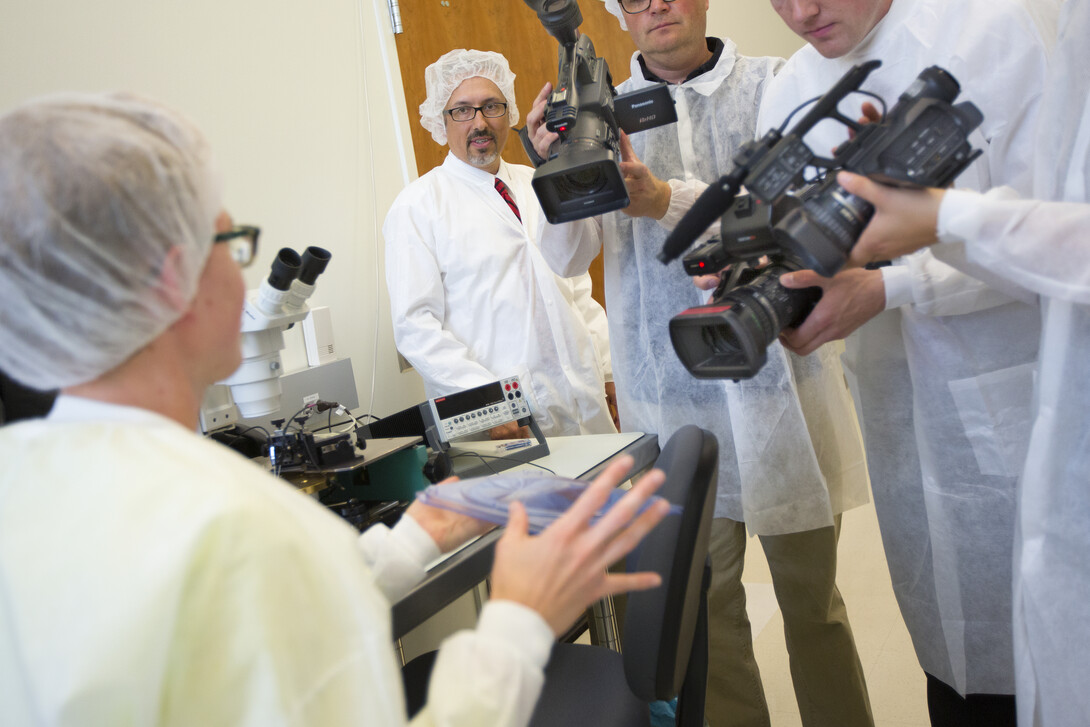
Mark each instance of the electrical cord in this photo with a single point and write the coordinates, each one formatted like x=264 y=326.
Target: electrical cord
x=881 y=102
x=794 y=111
x=242 y=431
x=483 y=457
x=294 y=418
x=341 y=410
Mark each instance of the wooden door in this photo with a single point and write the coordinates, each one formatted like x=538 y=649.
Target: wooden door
x=433 y=27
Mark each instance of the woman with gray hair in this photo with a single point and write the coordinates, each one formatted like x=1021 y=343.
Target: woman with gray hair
x=149 y=576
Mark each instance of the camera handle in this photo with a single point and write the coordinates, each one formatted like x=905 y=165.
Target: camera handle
x=826 y=106
x=528 y=147
x=561 y=18
x=718 y=197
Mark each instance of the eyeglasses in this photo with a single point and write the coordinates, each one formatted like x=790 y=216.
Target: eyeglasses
x=243 y=243
x=491 y=110
x=633 y=7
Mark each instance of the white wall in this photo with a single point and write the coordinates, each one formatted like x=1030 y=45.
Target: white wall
x=302 y=103
x=296 y=101
x=754 y=26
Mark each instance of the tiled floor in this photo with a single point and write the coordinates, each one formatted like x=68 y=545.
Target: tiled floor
x=894 y=678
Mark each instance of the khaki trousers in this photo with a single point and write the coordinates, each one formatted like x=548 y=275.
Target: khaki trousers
x=825 y=668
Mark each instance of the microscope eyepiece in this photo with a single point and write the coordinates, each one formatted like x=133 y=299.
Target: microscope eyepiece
x=314 y=261
x=285 y=268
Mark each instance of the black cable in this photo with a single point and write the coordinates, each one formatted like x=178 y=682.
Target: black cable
x=263 y=430
x=482 y=457
x=881 y=101
x=293 y=417
x=331 y=425
x=798 y=108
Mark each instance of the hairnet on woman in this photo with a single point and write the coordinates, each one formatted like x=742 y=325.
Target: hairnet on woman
x=107 y=205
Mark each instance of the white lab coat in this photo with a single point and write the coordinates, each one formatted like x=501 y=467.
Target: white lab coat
x=943 y=378
x=151 y=577
x=473 y=301
x=790 y=456
x=1045 y=247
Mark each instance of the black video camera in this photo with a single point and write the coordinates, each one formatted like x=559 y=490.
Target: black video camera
x=582 y=175
x=805 y=224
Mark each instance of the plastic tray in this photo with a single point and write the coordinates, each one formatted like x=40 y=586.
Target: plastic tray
x=545 y=497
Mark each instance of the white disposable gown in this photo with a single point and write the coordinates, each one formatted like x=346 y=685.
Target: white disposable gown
x=943 y=378
x=1045 y=247
x=790 y=456
x=151 y=577
x=473 y=301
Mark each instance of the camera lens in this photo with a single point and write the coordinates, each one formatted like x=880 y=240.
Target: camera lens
x=580 y=183
x=822 y=231
x=728 y=338
x=584 y=179
x=933 y=82
x=590 y=180
x=720 y=339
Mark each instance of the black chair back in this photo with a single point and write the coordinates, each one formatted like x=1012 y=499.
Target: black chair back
x=660 y=623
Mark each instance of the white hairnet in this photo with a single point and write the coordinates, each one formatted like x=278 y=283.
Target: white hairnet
x=95 y=191
x=614 y=7
x=447 y=73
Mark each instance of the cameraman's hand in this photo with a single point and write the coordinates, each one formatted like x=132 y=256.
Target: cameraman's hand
x=563 y=570
x=648 y=195
x=540 y=136
x=448 y=529
x=510 y=430
x=871 y=115
x=611 y=403
x=712 y=281
x=904 y=220
x=848 y=300
x=708 y=282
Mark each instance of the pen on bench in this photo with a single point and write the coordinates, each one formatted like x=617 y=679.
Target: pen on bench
x=517 y=445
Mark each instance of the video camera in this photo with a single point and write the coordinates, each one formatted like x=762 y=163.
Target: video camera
x=804 y=224
x=582 y=175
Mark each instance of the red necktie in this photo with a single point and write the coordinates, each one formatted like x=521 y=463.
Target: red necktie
x=506 y=194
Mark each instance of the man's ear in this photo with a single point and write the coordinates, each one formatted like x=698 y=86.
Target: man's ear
x=170 y=279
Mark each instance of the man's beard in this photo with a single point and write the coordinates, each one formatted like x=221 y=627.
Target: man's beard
x=477 y=157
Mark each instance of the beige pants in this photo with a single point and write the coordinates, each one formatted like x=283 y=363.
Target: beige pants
x=825 y=668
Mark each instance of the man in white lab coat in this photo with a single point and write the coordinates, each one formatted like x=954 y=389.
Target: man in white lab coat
x=790 y=457
x=943 y=373
x=472 y=299
x=149 y=576
x=1042 y=245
